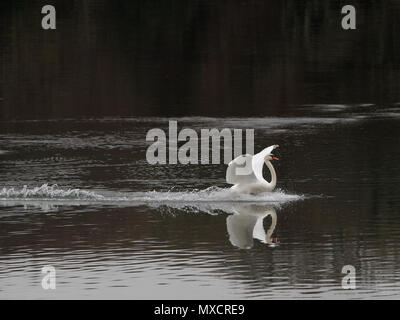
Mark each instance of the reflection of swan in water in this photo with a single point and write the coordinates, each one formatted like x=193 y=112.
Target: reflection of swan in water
x=247 y=224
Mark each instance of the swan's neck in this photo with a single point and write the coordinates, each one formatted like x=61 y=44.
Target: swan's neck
x=272 y=184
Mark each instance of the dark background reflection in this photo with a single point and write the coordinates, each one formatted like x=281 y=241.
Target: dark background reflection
x=120 y=58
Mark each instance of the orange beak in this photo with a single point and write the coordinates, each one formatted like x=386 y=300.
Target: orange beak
x=275 y=158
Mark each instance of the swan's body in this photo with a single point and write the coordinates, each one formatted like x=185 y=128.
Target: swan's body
x=245 y=172
x=247 y=224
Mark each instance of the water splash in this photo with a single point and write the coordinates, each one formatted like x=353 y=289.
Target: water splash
x=211 y=194
x=47 y=192
x=212 y=200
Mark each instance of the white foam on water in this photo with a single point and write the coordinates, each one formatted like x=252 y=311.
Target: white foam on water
x=47 y=192
x=211 y=194
x=210 y=200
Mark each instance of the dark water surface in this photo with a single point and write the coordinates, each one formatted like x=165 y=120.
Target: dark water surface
x=132 y=230
x=208 y=58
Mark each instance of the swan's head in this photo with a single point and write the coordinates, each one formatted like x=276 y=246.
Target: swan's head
x=268 y=153
x=270 y=157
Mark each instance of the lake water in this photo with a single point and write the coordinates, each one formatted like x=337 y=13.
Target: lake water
x=79 y=195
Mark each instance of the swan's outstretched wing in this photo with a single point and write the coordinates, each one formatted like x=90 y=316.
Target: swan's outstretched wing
x=240 y=170
x=258 y=161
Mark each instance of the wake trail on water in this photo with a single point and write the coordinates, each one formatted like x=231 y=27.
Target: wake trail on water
x=210 y=200
x=47 y=192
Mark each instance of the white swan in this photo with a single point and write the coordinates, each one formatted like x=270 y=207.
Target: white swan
x=247 y=224
x=245 y=172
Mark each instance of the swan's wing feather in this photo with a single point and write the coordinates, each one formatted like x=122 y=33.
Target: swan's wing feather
x=238 y=172
x=258 y=161
x=269 y=149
